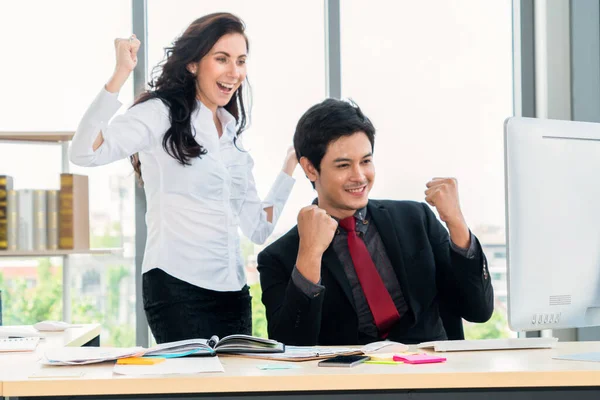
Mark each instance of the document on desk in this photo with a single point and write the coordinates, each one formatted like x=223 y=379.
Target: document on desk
x=88 y=355
x=490 y=344
x=307 y=353
x=304 y=353
x=595 y=357
x=173 y=366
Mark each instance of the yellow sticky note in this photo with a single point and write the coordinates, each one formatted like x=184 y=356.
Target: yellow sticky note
x=140 y=361
x=382 y=357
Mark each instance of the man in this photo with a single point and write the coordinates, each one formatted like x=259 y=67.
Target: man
x=356 y=270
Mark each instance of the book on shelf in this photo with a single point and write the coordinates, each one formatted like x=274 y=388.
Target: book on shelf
x=25 y=214
x=73 y=214
x=13 y=220
x=229 y=344
x=6 y=184
x=39 y=220
x=52 y=221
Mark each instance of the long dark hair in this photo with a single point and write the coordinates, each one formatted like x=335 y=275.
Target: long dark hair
x=176 y=86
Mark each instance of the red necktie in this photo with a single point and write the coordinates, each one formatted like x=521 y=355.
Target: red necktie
x=380 y=302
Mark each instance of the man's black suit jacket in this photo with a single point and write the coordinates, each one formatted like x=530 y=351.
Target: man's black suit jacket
x=428 y=271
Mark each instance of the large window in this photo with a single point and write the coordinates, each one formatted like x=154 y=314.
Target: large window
x=286 y=69
x=58 y=56
x=435 y=77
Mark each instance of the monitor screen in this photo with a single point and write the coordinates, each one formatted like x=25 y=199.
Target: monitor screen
x=552 y=175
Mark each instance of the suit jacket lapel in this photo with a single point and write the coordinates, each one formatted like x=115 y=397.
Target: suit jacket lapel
x=335 y=267
x=385 y=226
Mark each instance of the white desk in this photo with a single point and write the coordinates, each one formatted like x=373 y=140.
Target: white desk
x=516 y=374
x=14 y=365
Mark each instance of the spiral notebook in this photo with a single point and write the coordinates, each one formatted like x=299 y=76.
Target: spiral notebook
x=18 y=344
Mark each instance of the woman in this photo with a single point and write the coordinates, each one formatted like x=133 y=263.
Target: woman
x=183 y=137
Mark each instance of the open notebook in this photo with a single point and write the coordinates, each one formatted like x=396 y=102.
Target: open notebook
x=214 y=345
x=182 y=348
x=490 y=344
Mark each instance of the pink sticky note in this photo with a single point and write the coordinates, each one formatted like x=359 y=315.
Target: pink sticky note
x=419 y=359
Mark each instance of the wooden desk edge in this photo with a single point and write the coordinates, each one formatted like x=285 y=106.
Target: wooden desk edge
x=307 y=383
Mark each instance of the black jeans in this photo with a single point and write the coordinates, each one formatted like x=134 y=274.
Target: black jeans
x=177 y=310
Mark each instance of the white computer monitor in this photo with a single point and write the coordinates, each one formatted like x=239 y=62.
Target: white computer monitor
x=552 y=176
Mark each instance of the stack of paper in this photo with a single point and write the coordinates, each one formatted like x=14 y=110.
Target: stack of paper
x=302 y=353
x=88 y=355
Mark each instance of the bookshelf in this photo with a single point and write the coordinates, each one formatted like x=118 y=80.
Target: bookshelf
x=44 y=137
x=61 y=138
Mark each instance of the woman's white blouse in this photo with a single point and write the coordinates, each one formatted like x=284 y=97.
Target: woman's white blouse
x=193 y=212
